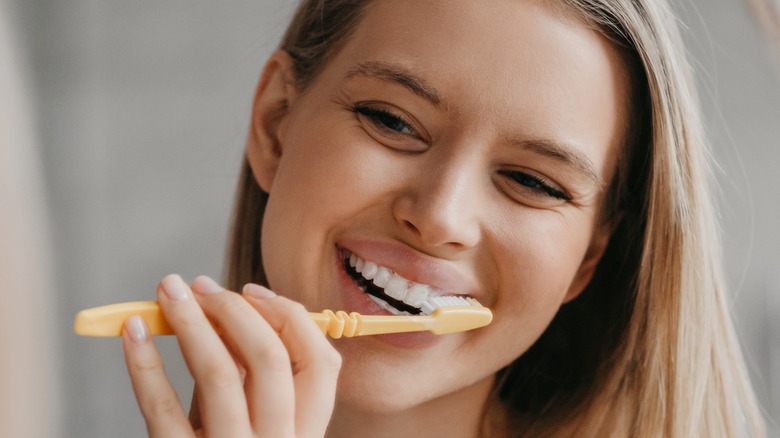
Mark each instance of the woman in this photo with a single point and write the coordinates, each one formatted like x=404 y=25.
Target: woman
x=545 y=158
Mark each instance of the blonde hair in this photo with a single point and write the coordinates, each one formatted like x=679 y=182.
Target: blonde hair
x=648 y=348
x=678 y=371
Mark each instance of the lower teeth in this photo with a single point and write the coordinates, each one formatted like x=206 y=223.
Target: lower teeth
x=383 y=304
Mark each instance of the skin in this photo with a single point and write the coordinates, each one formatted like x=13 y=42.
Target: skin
x=449 y=180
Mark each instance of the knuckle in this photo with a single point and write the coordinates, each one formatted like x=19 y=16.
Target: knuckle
x=325 y=363
x=270 y=359
x=331 y=361
x=161 y=406
x=230 y=305
x=218 y=374
x=143 y=367
x=278 y=370
x=184 y=320
x=295 y=307
x=276 y=359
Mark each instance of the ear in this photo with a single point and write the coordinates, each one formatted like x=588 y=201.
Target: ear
x=591 y=260
x=275 y=94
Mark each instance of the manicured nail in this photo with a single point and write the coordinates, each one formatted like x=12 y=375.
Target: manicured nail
x=137 y=329
x=257 y=291
x=175 y=288
x=204 y=285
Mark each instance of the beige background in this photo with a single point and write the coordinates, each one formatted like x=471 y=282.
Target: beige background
x=142 y=109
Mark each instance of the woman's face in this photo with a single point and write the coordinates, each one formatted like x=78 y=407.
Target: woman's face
x=462 y=146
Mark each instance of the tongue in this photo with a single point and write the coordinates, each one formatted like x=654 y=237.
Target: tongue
x=372 y=289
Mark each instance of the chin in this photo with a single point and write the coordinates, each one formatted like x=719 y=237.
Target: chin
x=382 y=386
x=374 y=397
x=377 y=383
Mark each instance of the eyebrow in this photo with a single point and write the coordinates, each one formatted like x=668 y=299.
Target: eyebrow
x=564 y=153
x=395 y=73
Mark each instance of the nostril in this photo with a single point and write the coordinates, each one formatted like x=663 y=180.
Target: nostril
x=409 y=225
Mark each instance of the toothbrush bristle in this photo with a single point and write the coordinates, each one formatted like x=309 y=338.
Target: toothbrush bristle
x=434 y=303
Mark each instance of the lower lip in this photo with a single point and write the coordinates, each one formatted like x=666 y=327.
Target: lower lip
x=355 y=300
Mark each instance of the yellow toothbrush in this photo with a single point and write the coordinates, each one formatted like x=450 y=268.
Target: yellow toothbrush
x=440 y=315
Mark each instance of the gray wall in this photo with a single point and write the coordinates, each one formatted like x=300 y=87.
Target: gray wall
x=143 y=110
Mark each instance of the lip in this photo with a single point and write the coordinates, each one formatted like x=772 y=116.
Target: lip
x=400 y=260
x=413 y=265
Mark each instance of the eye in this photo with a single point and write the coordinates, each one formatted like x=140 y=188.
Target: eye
x=391 y=127
x=385 y=120
x=534 y=188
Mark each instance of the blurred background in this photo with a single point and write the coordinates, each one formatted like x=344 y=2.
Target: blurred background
x=137 y=114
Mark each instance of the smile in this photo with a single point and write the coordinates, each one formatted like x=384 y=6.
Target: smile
x=389 y=290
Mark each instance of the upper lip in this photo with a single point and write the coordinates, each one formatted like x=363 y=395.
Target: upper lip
x=413 y=265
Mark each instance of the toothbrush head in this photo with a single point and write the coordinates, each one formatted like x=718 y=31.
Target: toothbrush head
x=456 y=314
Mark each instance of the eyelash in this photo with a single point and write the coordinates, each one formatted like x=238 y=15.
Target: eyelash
x=389 y=123
x=537 y=184
x=385 y=120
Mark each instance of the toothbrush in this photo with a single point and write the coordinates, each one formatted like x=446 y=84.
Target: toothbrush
x=441 y=315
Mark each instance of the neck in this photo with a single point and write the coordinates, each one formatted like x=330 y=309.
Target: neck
x=468 y=413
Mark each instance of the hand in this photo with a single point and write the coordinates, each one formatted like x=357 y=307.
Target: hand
x=270 y=372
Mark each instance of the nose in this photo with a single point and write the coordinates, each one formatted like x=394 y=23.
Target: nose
x=440 y=208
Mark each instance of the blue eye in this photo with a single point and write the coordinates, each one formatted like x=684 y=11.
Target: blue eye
x=536 y=185
x=385 y=121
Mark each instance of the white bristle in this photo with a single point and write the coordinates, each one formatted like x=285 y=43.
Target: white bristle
x=433 y=303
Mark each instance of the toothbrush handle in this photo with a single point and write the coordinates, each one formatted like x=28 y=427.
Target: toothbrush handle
x=108 y=321
x=340 y=323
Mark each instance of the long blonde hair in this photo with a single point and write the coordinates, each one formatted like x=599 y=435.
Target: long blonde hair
x=648 y=349
x=678 y=371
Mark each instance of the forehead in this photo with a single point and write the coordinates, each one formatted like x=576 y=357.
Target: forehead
x=510 y=37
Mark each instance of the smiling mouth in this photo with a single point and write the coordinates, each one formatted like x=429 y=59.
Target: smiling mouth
x=389 y=290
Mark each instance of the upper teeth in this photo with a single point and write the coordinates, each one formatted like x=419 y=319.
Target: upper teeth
x=411 y=293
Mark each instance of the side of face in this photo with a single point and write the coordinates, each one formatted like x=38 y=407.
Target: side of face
x=464 y=146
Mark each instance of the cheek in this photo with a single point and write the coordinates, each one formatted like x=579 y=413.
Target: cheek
x=331 y=161
x=327 y=178
x=332 y=174
x=536 y=264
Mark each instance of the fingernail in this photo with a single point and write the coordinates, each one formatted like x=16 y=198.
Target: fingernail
x=204 y=285
x=137 y=329
x=175 y=288
x=257 y=291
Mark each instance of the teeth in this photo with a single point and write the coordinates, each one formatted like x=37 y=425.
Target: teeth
x=396 y=287
x=369 y=270
x=382 y=276
x=417 y=294
x=383 y=304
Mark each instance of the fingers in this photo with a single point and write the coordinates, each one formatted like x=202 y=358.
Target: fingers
x=259 y=361
x=315 y=362
x=156 y=397
x=270 y=396
x=220 y=390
